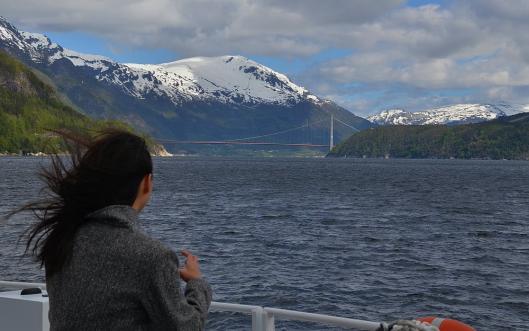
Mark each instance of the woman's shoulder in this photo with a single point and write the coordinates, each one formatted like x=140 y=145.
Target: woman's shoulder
x=130 y=245
x=151 y=247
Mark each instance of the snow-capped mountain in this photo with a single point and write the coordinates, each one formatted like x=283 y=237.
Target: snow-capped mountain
x=234 y=79
x=225 y=78
x=451 y=115
x=221 y=97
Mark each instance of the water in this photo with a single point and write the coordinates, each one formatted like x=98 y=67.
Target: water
x=368 y=239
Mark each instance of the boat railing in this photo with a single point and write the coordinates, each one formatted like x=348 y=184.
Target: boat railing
x=263 y=318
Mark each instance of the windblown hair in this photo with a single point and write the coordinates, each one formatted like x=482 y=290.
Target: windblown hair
x=100 y=171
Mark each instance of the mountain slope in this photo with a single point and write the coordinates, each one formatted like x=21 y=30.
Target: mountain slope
x=28 y=107
x=503 y=138
x=201 y=98
x=454 y=114
x=228 y=79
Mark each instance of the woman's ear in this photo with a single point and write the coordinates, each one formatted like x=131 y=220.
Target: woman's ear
x=144 y=193
x=147 y=184
x=151 y=182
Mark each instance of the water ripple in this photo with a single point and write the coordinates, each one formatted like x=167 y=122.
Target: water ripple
x=369 y=239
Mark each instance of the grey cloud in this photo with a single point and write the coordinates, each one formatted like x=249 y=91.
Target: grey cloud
x=478 y=46
x=337 y=11
x=198 y=27
x=513 y=11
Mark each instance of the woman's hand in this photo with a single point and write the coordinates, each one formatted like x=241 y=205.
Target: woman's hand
x=191 y=269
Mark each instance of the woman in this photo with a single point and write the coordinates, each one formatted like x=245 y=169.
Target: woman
x=102 y=271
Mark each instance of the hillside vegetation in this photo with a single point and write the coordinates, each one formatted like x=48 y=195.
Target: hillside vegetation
x=504 y=138
x=29 y=107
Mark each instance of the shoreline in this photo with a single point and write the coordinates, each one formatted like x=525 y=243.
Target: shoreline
x=40 y=154
x=422 y=158
x=169 y=155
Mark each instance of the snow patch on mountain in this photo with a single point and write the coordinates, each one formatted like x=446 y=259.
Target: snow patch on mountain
x=10 y=36
x=38 y=41
x=390 y=117
x=5 y=34
x=96 y=62
x=454 y=114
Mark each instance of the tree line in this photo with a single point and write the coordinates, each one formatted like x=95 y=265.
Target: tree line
x=503 y=138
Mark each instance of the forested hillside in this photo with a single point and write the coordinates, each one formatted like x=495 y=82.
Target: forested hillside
x=504 y=138
x=29 y=108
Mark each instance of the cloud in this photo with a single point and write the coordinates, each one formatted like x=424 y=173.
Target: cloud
x=479 y=46
x=198 y=27
x=397 y=55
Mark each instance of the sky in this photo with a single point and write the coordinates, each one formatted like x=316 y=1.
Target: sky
x=365 y=55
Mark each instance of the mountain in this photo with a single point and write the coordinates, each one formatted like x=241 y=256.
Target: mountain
x=503 y=138
x=29 y=107
x=451 y=115
x=227 y=79
x=200 y=98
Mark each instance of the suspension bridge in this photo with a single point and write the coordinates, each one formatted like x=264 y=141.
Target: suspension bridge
x=260 y=139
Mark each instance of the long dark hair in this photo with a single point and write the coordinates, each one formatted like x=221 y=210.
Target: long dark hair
x=100 y=171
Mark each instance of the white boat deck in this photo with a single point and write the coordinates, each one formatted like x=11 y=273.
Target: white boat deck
x=263 y=318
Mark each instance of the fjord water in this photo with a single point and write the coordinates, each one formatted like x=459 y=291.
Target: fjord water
x=368 y=239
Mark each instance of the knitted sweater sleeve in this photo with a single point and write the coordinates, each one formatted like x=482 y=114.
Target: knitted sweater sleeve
x=168 y=307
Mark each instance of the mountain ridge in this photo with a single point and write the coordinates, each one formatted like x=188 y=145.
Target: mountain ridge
x=451 y=114
x=211 y=76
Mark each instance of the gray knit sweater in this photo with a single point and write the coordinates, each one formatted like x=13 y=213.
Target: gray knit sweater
x=118 y=278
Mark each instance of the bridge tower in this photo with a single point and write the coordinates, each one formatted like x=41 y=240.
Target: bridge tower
x=331 y=138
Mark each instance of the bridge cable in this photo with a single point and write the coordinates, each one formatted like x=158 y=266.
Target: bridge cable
x=276 y=133
x=282 y=131
x=352 y=127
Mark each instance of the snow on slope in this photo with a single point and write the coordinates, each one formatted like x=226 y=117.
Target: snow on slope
x=454 y=114
x=227 y=79
x=391 y=117
x=41 y=49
